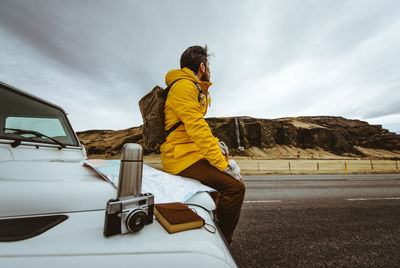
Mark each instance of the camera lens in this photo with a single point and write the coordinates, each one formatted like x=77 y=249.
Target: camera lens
x=136 y=220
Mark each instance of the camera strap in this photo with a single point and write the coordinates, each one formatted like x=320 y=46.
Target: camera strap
x=208 y=227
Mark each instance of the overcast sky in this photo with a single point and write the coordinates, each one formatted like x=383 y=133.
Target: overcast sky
x=272 y=59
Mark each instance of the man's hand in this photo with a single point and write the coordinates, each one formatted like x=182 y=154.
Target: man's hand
x=233 y=170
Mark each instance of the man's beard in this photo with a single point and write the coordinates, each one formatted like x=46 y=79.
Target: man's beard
x=205 y=77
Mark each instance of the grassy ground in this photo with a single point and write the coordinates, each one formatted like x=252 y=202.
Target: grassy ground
x=258 y=166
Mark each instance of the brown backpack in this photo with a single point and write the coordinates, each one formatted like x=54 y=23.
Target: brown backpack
x=152 y=110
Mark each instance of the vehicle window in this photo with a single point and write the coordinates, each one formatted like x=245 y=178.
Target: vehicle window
x=19 y=111
x=48 y=126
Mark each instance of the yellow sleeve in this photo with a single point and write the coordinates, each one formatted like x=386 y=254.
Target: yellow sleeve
x=184 y=100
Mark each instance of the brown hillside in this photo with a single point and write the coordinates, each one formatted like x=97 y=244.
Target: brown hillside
x=299 y=137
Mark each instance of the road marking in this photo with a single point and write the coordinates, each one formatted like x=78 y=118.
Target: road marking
x=263 y=201
x=377 y=198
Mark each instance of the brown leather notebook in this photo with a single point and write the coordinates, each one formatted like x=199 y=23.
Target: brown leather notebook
x=176 y=217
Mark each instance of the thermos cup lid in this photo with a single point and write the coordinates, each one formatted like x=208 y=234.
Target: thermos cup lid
x=132 y=152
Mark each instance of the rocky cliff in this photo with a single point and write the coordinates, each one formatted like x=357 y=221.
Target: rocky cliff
x=299 y=137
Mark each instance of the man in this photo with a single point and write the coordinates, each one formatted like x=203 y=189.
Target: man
x=191 y=150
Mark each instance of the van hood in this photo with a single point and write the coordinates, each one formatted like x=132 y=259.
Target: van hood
x=37 y=187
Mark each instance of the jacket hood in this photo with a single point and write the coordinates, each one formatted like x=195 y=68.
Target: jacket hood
x=186 y=73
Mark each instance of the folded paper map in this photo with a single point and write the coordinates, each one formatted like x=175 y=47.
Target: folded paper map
x=165 y=187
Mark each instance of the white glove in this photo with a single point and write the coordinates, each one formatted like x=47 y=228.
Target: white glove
x=233 y=170
x=223 y=147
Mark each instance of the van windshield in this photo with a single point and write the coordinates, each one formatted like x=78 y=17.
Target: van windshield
x=22 y=112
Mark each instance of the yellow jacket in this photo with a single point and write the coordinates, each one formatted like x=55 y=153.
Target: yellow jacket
x=192 y=140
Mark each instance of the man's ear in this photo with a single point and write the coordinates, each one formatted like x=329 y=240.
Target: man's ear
x=202 y=67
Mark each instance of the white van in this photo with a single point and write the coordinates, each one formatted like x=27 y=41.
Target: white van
x=53 y=209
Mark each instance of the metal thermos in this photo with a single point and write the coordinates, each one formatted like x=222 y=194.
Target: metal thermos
x=130 y=172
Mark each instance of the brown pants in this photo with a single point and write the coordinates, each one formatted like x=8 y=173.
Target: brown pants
x=231 y=195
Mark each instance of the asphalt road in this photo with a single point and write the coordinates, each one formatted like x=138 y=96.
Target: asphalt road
x=320 y=221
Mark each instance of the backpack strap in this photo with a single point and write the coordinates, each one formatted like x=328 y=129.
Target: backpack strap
x=166 y=91
x=174 y=127
x=166 y=95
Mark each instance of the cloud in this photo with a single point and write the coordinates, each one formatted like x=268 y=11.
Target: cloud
x=272 y=58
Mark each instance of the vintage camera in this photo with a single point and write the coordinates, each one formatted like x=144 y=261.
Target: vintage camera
x=128 y=215
x=132 y=210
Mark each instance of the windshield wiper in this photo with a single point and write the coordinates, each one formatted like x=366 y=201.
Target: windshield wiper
x=36 y=133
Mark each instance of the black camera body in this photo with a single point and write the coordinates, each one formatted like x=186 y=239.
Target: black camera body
x=131 y=210
x=128 y=214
